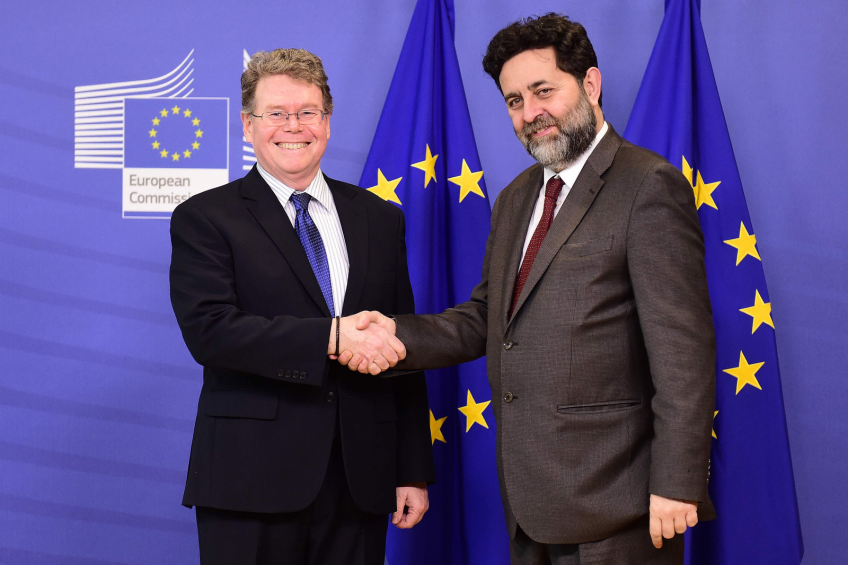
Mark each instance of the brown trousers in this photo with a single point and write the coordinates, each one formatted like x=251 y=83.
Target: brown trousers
x=632 y=546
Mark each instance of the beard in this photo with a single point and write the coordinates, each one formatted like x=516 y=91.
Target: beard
x=575 y=133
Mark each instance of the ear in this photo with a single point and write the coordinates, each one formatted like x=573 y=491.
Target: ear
x=592 y=85
x=248 y=127
x=327 y=125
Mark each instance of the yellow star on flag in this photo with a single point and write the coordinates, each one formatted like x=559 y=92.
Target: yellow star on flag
x=195 y=122
x=186 y=153
x=152 y=133
x=474 y=412
x=155 y=121
x=155 y=145
x=703 y=191
x=436 y=428
x=385 y=189
x=745 y=373
x=164 y=113
x=745 y=244
x=175 y=156
x=760 y=312
x=198 y=133
x=175 y=109
x=187 y=113
x=468 y=182
x=163 y=153
x=714 y=415
x=428 y=165
x=195 y=145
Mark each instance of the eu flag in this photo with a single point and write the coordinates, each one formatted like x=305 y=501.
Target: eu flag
x=180 y=133
x=424 y=159
x=678 y=114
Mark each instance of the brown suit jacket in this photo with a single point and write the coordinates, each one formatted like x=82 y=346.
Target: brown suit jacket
x=603 y=380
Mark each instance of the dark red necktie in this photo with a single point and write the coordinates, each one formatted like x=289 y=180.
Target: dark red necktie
x=552 y=190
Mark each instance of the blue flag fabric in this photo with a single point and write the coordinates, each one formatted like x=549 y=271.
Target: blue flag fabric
x=424 y=159
x=678 y=114
x=178 y=133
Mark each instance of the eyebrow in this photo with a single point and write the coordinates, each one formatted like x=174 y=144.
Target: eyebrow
x=533 y=85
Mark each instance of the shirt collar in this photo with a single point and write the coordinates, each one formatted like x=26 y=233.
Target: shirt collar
x=317 y=189
x=570 y=173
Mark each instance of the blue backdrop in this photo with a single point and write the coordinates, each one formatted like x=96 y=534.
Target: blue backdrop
x=97 y=390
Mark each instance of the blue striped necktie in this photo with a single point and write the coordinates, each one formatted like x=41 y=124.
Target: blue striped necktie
x=312 y=243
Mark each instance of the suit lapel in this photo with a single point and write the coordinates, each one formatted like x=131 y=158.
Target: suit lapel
x=354 y=222
x=523 y=204
x=578 y=201
x=266 y=208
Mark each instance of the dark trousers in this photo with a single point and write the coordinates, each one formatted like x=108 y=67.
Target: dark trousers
x=631 y=546
x=332 y=530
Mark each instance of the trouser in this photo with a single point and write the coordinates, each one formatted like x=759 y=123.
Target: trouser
x=631 y=546
x=331 y=530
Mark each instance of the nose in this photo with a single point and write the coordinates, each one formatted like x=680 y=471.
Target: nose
x=292 y=124
x=532 y=110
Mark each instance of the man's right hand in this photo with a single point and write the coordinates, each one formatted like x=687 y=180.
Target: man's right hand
x=355 y=361
x=366 y=346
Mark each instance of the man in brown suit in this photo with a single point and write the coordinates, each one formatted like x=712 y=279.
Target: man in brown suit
x=594 y=313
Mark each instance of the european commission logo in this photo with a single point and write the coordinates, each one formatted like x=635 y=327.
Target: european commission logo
x=172 y=149
x=168 y=144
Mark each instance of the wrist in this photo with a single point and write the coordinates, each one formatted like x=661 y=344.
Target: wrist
x=331 y=343
x=338 y=334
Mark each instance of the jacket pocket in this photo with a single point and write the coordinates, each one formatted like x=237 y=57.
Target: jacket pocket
x=226 y=403
x=587 y=247
x=385 y=409
x=602 y=406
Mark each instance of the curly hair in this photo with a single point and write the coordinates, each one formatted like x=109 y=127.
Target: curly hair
x=298 y=64
x=574 y=52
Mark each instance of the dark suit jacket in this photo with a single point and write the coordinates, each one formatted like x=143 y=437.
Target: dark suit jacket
x=603 y=380
x=252 y=313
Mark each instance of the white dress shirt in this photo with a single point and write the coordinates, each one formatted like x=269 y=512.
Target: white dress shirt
x=322 y=210
x=569 y=176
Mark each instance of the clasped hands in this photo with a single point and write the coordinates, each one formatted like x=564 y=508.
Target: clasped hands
x=367 y=343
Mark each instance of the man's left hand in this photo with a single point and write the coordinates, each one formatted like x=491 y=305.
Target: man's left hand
x=415 y=499
x=670 y=516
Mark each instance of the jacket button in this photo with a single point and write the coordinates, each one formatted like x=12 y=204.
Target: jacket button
x=280 y=373
x=330 y=396
x=288 y=374
x=295 y=374
x=303 y=375
x=508 y=397
x=507 y=345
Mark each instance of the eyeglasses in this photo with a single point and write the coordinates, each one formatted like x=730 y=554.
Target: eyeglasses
x=305 y=117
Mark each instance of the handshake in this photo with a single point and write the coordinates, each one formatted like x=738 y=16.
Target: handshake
x=366 y=343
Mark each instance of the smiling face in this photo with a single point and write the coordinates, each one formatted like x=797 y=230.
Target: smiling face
x=291 y=152
x=554 y=116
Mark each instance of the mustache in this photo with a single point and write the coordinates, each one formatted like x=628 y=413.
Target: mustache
x=540 y=123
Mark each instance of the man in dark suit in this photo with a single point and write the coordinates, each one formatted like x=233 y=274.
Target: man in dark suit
x=293 y=460
x=594 y=313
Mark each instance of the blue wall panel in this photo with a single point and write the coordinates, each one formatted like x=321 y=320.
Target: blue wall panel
x=97 y=390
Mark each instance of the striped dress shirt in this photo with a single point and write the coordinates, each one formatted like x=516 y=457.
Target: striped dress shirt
x=322 y=210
